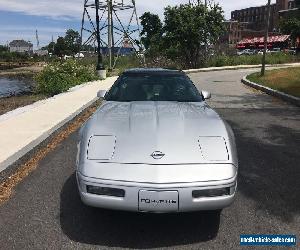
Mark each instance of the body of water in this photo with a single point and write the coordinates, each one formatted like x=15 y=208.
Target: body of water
x=13 y=87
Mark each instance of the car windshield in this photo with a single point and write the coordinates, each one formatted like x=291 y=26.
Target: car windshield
x=154 y=87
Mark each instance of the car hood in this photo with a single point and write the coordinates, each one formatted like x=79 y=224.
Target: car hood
x=156 y=133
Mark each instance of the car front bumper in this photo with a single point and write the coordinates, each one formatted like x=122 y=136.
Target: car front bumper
x=135 y=194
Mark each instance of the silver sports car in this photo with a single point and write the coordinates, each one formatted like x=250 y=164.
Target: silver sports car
x=155 y=145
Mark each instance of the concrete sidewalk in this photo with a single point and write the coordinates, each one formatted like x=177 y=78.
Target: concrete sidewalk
x=23 y=129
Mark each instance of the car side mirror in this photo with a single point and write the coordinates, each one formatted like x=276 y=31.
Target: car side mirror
x=101 y=93
x=206 y=95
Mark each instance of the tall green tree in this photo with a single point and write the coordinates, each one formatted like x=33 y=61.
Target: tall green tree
x=61 y=48
x=152 y=29
x=50 y=47
x=72 y=40
x=3 y=48
x=291 y=27
x=189 y=30
x=67 y=45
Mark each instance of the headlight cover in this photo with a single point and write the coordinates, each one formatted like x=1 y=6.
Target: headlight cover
x=213 y=148
x=101 y=147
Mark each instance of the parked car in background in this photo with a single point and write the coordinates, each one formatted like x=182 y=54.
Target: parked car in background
x=275 y=50
x=246 y=52
x=261 y=52
x=291 y=51
x=240 y=52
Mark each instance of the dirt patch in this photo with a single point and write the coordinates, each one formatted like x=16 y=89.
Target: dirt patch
x=8 y=185
x=33 y=69
x=10 y=103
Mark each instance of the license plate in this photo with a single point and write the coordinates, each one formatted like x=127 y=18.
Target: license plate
x=158 y=201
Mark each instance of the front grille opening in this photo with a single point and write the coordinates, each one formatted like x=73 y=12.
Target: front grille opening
x=211 y=192
x=115 y=192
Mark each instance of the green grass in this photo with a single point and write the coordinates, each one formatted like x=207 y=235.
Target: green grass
x=285 y=80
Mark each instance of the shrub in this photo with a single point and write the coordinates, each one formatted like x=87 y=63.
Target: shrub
x=6 y=56
x=58 y=77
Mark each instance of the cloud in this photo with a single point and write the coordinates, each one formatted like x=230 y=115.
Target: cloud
x=13 y=28
x=53 y=17
x=27 y=33
x=72 y=9
x=58 y=9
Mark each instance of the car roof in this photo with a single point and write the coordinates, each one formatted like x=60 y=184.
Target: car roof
x=152 y=71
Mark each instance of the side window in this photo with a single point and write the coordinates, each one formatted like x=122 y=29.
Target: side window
x=115 y=92
x=179 y=90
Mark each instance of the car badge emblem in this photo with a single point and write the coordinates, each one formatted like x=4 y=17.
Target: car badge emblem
x=157 y=155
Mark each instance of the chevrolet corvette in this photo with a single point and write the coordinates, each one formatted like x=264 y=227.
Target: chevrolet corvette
x=155 y=145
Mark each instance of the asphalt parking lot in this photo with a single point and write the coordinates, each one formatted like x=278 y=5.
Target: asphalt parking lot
x=45 y=211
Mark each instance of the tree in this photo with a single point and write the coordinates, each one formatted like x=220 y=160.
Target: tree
x=152 y=29
x=188 y=31
x=3 y=48
x=72 y=40
x=61 y=48
x=50 y=47
x=67 y=45
x=291 y=27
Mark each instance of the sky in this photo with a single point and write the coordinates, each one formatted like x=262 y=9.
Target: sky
x=19 y=19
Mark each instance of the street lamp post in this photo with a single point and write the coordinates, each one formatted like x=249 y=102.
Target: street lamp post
x=263 y=64
x=100 y=67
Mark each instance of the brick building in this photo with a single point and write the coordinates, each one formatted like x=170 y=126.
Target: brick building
x=257 y=16
x=233 y=32
x=292 y=11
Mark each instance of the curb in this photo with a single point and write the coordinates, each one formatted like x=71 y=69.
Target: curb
x=190 y=71
x=285 y=97
x=17 y=157
x=40 y=143
x=34 y=105
x=35 y=143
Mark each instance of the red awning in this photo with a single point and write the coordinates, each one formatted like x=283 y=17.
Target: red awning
x=271 y=39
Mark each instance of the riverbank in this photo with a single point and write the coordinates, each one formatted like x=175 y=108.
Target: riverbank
x=28 y=71
x=19 y=76
x=17 y=87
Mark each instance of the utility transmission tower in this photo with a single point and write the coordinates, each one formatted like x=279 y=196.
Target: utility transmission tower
x=118 y=27
x=198 y=2
x=37 y=39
